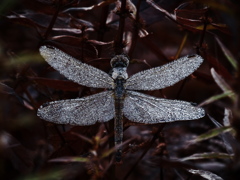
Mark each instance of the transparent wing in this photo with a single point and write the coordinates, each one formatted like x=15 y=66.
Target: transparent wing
x=164 y=76
x=83 y=111
x=75 y=70
x=142 y=108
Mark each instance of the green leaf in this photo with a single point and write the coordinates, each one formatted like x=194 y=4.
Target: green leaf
x=222 y=83
x=70 y=159
x=211 y=155
x=5 y=5
x=228 y=54
x=90 y=141
x=182 y=45
x=24 y=58
x=51 y=175
x=108 y=152
x=226 y=137
x=113 y=149
x=212 y=133
x=217 y=97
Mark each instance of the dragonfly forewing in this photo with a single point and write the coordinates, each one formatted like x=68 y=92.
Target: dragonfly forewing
x=83 y=111
x=164 y=76
x=142 y=108
x=75 y=70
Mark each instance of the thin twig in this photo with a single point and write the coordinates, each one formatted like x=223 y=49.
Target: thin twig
x=49 y=29
x=136 y=30
x=118 y=42
x=205 y=21
x=148 y=43
x=64 y=142
x=102 y=27
x=155 y=136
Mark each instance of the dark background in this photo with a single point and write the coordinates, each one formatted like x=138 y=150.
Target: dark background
x=29 y=144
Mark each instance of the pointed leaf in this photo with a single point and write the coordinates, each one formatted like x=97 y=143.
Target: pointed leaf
x=211 y=155
x=83 y=137
x=227 y=117
x=77 y=22
x=222 y=27
x=113 y=149
x=50 y=175
x=75 y=46
x=68 y=30
x=222 y=83
x=212 y=133
x=205 y=174
x=226 y=137
x=23 y=20
x=6 y=89
x=70 y=159
x=227 y=53
x=101 y=4
x=142 y=33
x=57 y=84
x=100 y=43
x=217 y=97
x=210 y=27
x=25 y=58
x=141 y=61
x=156 y=6
x=213 y=61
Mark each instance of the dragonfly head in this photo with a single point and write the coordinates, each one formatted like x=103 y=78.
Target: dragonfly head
x=119 y=61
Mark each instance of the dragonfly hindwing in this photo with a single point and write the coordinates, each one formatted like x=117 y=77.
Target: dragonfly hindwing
x=142 y=108
x=83 y=111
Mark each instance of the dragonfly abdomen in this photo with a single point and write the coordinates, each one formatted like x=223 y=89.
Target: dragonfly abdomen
x=119 y=94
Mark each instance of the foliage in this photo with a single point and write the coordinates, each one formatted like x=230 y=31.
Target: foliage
x=152 y=33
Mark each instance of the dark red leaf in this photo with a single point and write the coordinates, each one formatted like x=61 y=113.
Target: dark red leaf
x=218 y=67
x=57 y=84
x=79 y=48
x=6 y=89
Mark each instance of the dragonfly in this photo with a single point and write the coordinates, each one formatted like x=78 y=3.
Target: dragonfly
x=120 y=98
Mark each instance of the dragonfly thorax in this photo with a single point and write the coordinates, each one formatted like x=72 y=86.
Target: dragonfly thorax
x=119 y=73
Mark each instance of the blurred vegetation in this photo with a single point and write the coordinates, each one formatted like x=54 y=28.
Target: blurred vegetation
x=152 y=33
